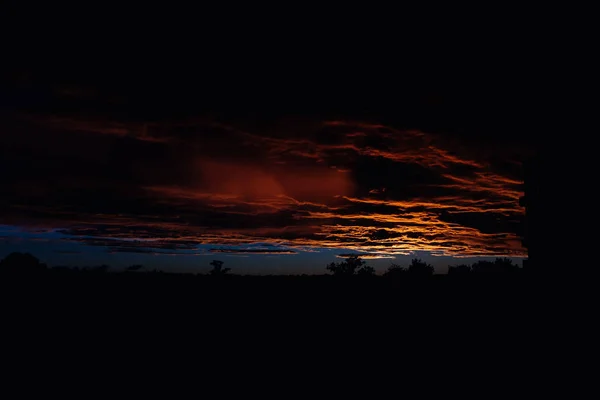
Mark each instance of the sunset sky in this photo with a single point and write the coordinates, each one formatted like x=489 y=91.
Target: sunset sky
x=117 y=166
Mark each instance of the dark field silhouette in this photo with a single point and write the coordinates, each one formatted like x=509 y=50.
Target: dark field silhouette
x=407 y=308
x=24 y=265
x=347 y=288
x=353 y=276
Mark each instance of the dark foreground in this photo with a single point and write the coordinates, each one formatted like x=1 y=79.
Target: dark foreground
x=235 y=307
x=300 y=329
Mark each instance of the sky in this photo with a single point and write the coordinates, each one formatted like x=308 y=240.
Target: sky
x=172 y=167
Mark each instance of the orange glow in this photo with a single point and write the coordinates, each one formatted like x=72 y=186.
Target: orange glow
x=298 y=186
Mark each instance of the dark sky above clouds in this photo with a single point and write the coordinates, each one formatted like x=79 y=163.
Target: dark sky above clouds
x=241 y=153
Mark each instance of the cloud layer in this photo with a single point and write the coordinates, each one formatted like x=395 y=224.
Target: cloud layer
x=170 y=185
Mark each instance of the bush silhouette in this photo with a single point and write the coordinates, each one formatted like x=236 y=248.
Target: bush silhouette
x=499 y=266
x=100 y=269
x=351 y=266
x=419 y=268
x=461 y=270
x=366 y=271
x=218 y=269
x=21 y=263
x=395 y=271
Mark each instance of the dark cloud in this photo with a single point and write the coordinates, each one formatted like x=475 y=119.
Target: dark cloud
x=133 y=183
x=150 y=251
x=365 y=256
x=252 y=251
x=384 y=234
x=121 y=242
x=483 y=221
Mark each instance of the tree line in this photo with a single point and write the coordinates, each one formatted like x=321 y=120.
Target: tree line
x=25 y=263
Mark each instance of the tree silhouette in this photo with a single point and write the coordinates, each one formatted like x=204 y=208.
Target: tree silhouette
x=483 y=266
x=419 y=268
x=99 y=269
x=21 y=263
x=499 y=266
x=505 y=265
x=25 y=264
x=352 y=265
x=218 y=269
x=366 y=271
x=462 y=269
x=395 y=271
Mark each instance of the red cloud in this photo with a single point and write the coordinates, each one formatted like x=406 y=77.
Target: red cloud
x=294 y=185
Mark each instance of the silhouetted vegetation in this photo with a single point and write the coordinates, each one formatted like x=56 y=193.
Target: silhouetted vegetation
x=25 y=264
x=351 y=266
x=459 y=270
x=500 y=265
x=220 y=299
x=395 y=271
x=419 y=268
x=21 y=263
x=366 y=270
x=218 y=269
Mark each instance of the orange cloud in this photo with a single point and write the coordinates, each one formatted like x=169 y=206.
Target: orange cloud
x=252 y=182
x=338 y=184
